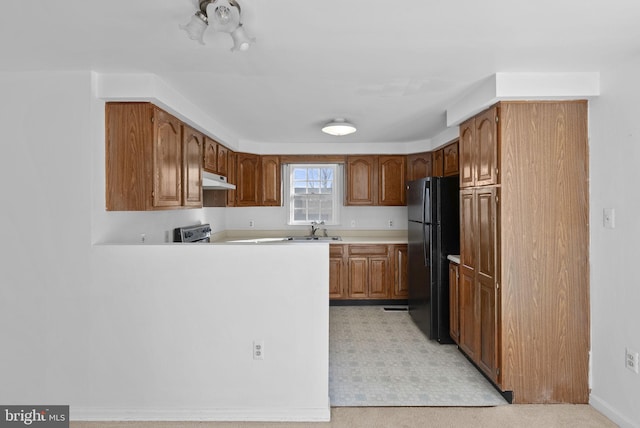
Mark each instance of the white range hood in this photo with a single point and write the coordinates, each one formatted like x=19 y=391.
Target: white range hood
x=215 y=181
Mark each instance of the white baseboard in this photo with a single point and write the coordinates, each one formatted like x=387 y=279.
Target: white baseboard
x=610 y=412
x=218 y=415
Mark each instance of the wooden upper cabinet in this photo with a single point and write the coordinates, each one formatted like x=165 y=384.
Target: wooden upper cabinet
x=375 y=180
x=467 y=153
x=192 y=148
x=450 y=161
x=167 y=160
x=223 y=161
x=232 y=177
x=147 y=165
x=478 y=151
x=486 y=147
x=215 y=157
x=419 y=165
x=361 y=172
x=270 y=181
x=248 y=175
x=210 y=157
x=391 y=180
x=438 y=163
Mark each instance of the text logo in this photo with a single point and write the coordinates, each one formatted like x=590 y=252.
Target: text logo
x=34 y=416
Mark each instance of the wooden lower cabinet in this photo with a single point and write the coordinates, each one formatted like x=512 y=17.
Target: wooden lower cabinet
x=337 y=272
x=454 y=318
x=367 y=271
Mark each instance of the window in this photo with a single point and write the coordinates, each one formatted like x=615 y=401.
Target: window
x=313 y=193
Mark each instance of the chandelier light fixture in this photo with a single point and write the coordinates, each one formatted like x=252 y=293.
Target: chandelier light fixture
x=224 y=16
x=339 y=127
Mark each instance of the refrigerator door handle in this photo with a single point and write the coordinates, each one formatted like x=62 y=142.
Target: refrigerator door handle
x=426 y=242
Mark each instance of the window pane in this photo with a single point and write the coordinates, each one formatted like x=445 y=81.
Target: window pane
x=312 y=193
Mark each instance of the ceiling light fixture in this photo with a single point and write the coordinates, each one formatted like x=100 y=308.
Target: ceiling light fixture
x=339 y=127
x=225 y=18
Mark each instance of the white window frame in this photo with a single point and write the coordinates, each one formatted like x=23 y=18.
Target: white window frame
x=337 y=195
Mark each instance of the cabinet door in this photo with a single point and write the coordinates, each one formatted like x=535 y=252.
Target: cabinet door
x=400 y=285
x=210 y=157
x=337 y=272
x=167 y=160
x=270 y=181
x=232 y=177
x=450 y=154
x=223 y=155
x=486 y=277
x=419 y=166
x=391 y=180
x=192 y=144
x=486 y=141
x=468 y=313
x=248 y=185
x=487 y=320
x=466 y=153
x=486 y=232
x=358 y=270
x=438 y=163
x=361 y=178
x=454 y=319
x=378 y=277
x=467 y=229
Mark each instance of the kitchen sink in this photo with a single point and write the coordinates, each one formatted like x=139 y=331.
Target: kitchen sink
x=314 y=238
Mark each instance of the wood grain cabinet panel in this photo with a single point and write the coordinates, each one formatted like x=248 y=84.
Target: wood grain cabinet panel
x=361 y=179
x=400 y=284
x=466 y=153
x=192 y=147
x=438 y=163
x=232 y=177
x=523 y=297
x=337 y=272
x=149 y=166
x=419 y=165
x=368 y=271
x=450 y=159
x=391 y=180
x=210 y=156
x=223 y=161
x=454 y=317
x=270 y=181
x=248 y=185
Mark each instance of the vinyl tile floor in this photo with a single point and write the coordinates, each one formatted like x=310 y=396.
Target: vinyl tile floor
x=381 y=358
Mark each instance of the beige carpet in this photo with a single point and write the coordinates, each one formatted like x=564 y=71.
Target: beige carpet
x=511 y=416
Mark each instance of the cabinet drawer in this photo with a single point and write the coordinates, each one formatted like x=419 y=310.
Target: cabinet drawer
x=336 y=250
x=368 y=250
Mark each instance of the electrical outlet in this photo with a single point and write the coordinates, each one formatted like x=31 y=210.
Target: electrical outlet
x=251 y=223
x=631 y=360
x=143 y=237
x=390 y=223
x=258 y=349
x=353 y=223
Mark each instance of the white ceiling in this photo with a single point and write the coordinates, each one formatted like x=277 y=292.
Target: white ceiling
x=392 y=68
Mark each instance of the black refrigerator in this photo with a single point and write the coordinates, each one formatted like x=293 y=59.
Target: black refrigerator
x=434 y=233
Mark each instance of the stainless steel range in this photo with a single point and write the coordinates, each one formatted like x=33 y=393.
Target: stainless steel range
x=196 y=233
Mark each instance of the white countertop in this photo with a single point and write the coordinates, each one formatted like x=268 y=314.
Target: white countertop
x=277 y=236
x=454 y=258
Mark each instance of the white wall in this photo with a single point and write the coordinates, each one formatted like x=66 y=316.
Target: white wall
x=615 y=290
x=119 y=331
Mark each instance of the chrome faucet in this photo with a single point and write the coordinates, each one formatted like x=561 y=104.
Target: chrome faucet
x=315 y=226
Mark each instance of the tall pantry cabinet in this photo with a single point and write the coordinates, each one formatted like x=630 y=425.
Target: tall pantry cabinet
x=524 y=268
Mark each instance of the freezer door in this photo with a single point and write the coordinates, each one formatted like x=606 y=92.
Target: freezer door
x=415 y=200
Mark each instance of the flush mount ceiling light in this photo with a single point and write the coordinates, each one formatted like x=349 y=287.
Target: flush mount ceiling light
x=225 y=18
x=339 y=127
